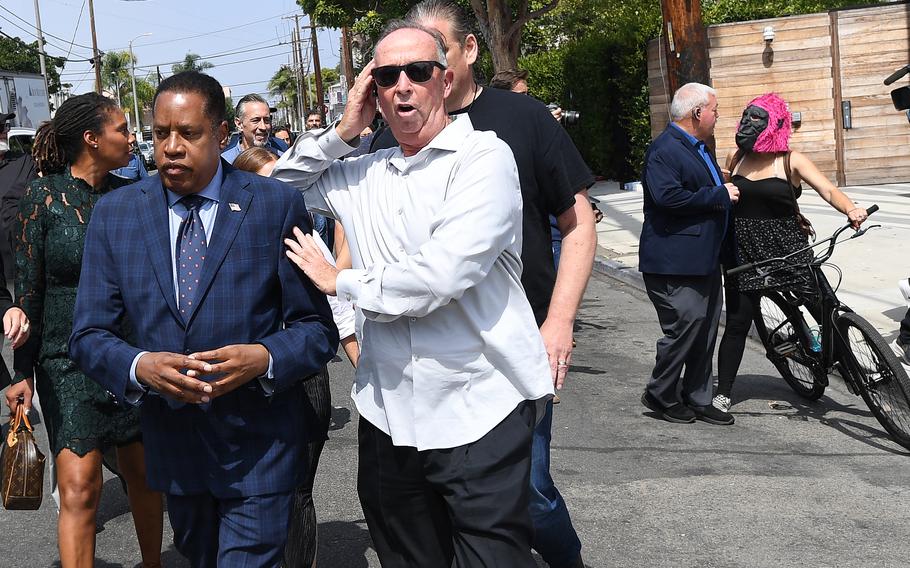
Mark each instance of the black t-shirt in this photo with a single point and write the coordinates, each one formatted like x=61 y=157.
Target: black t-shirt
x=16 y=172
x=550 y=170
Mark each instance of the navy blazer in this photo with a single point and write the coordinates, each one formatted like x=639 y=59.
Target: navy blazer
x=243 y=443
x=686 y=213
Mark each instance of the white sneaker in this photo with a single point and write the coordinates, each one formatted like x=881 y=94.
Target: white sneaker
x=904 y=286
x=721 y=403
x=902 y=352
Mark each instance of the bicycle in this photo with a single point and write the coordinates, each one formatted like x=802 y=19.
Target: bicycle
x=842 y=341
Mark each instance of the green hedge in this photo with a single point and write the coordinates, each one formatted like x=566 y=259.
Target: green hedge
x=605 y=80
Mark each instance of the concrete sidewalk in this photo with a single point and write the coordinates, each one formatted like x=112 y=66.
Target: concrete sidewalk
x=871 y=265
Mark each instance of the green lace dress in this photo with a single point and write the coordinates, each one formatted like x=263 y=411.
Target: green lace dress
x=78 y=413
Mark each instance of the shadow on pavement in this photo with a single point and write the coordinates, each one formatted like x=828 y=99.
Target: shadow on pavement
x=825 y=410
x=343 y=544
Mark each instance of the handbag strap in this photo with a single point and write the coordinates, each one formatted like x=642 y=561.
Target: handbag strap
x=16 y=421
x=789 y=174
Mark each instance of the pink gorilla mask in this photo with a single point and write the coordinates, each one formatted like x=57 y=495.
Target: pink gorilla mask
x=765 y=125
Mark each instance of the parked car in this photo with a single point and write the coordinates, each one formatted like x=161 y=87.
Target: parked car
x=147 y=151
x=21 y=139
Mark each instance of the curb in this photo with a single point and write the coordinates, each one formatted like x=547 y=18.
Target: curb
x=619 y=271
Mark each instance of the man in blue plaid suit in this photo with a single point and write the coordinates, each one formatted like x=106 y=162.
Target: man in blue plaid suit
x=188 y=306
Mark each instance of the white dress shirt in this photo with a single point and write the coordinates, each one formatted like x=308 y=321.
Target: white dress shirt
x=449 y=342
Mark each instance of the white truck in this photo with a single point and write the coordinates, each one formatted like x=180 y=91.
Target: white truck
x=25 y=95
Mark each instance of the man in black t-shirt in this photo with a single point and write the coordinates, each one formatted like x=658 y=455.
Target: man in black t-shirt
x=554 y=180
x=16 y=172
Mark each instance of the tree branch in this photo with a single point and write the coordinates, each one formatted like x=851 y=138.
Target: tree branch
x=526 y=17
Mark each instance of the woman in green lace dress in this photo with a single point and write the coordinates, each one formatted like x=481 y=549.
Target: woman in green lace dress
x=75 y=151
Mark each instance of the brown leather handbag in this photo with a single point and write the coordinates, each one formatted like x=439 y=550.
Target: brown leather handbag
x=23 y=465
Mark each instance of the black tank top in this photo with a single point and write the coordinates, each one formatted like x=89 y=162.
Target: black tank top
x=767 y=198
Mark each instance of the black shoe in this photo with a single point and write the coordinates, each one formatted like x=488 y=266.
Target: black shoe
x=713 y=415
x=678 y=413
x=651 y=403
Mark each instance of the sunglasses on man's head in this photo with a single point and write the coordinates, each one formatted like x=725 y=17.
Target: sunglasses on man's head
x=418 y=72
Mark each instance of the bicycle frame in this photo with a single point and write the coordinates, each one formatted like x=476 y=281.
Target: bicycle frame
x=828 y=308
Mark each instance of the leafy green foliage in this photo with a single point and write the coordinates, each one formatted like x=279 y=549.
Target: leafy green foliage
x=191 y=62
x=115 y=73
x=590 y=56
x=20 y=57
x=146 y=90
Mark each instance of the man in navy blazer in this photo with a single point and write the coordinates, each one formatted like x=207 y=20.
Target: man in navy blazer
x=188 y=306
x=687 y=209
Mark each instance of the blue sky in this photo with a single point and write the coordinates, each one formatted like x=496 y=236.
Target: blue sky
x=243 y=36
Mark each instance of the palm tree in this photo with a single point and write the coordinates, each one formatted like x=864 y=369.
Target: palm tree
x=146 y=91
x=284 y=84
x=191 y=62
x=115 y=72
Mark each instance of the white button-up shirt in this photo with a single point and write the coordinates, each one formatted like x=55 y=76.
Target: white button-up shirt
x=450 y=346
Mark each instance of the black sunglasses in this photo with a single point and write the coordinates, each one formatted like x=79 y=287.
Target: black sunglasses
x=418 y=71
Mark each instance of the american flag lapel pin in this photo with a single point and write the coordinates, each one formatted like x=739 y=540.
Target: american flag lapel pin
x=234 y=207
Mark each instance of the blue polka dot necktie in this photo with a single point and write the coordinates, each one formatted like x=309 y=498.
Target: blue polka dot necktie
x=190 y=252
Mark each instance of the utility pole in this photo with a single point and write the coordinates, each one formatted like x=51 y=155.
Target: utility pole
x=304 y=97
x=298 y=103
x=317 y=69
x=96 y=55
x=347 y=61
x=685 y=43
x=41 y=50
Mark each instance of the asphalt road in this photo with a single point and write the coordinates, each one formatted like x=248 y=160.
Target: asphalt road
x=790 y=484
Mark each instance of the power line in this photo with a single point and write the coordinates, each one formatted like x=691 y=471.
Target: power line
x=35 y=50
x=244 y=25
x=151 y=66
x=201 y=57
x=76 y=29
x=32 y=26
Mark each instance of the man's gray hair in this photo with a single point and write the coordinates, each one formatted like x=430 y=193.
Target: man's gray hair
x=689 y=97
x=251 y=98
x=396 y=25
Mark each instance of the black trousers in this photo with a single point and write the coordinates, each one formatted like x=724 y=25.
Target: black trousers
x=688 y=308
x=463 y=507
x=300 y=550
x=741 y=310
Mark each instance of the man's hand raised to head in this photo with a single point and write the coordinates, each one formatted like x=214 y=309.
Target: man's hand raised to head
x=361 y=108
x=237 y=365
x=163 y=373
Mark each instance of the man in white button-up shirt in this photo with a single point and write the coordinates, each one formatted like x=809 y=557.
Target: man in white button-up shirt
x=451 y=354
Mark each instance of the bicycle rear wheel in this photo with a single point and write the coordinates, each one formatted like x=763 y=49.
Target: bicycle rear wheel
x=880 y=378
x=783 y=330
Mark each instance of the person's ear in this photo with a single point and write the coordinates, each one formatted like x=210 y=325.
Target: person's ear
x=447 y=78
x=90 y=138
x=696 y=114
x=237 y=122
x=221 y=132
x=470 y=49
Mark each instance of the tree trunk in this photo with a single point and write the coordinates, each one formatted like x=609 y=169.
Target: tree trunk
x=502 y=31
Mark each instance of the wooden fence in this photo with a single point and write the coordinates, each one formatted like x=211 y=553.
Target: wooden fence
x=816 y=62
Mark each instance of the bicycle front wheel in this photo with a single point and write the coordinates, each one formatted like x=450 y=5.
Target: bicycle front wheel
x=880 y=378
x=783 y=330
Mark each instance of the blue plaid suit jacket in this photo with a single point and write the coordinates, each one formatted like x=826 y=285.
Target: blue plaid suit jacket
x=243 y=443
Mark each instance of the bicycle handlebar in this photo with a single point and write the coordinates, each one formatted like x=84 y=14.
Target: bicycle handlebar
x=897 y=74
x=832 y=239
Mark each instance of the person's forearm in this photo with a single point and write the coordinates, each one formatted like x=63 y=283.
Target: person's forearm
x=575 y=263
x=351 y=349
x=841 y=202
